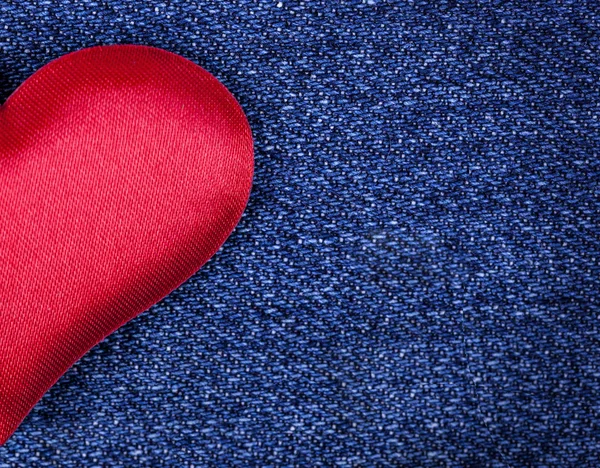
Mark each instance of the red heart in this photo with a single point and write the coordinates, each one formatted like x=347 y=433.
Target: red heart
x=122 y=171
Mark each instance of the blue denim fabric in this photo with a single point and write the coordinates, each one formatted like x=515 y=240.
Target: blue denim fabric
x=416 y=281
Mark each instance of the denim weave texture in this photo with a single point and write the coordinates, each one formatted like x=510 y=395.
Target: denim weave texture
x=416 y=280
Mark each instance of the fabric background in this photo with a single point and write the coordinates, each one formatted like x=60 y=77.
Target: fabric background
x=416 y=279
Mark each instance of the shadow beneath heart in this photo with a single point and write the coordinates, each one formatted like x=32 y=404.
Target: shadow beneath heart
x=6 y=87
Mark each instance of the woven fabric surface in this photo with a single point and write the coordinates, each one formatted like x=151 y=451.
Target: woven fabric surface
x=416 y=280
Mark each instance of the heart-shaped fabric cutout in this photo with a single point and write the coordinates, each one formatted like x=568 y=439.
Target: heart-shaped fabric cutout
x=122 y=171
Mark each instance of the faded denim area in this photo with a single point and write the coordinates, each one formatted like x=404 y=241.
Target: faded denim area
x=416 y=280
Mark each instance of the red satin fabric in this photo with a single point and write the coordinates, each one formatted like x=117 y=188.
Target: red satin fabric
x=122 y=170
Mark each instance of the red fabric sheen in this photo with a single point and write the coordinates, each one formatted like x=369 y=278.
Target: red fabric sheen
x=122 y=170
